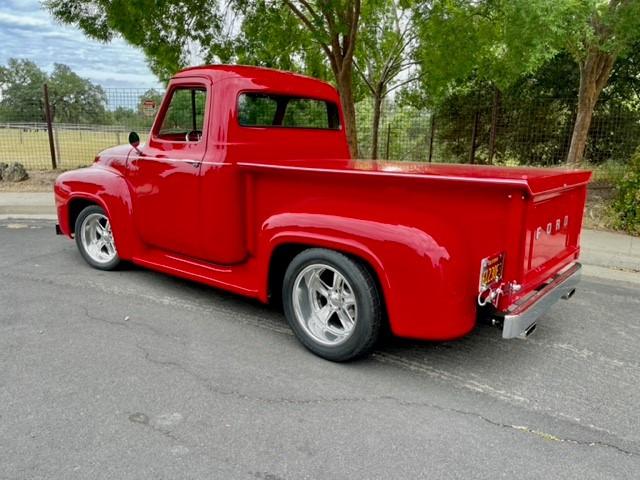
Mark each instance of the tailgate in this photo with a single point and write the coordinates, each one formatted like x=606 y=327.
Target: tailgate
x=553 y=223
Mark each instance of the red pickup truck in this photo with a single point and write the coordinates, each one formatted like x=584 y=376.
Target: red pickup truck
x=245 y=183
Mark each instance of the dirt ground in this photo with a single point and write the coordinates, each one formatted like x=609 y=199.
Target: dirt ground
x=38 y=181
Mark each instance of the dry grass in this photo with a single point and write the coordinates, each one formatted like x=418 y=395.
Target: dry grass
x=597 y=214
x=75 y=148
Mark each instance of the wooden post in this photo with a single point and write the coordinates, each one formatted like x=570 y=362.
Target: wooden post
x=47 y=111
x=388 y=138
x=56 y=142
x=474 y=135
x=433 y=129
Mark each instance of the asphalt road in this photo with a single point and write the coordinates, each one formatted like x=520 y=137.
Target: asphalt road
x=137 y=375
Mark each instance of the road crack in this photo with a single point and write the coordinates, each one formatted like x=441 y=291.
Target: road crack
x=216 y=389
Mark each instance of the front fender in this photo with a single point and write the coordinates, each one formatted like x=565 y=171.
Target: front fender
x=105 y=187
x=421 y=278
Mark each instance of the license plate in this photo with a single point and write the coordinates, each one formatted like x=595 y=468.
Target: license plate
x=491 y=271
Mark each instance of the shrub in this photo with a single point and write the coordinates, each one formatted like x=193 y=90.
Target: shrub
x=626 y=205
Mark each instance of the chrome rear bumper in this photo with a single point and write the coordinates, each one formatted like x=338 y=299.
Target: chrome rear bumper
x=520 y=319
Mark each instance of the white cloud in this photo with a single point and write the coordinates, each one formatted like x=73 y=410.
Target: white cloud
x=12 y=20
x=27 y=31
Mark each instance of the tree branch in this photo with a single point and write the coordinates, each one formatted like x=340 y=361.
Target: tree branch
x=309 y=24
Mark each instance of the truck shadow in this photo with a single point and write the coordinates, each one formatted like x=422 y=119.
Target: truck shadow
x=482 y=348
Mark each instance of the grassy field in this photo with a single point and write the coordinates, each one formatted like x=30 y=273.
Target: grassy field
x=74 y=148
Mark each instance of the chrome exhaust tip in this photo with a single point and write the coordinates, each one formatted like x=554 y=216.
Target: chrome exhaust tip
x=569 y=294
x=530 y=330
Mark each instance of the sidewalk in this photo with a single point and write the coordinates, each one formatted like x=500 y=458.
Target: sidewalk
x=599 y=249
x=27 y=204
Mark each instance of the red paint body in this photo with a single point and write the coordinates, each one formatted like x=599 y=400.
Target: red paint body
x=215 y=211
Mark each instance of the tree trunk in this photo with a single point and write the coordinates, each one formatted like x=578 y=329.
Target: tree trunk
x=375 y=127
x=594 y=74
x=344 y=80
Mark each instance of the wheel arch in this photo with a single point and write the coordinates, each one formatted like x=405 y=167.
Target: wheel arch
x=104 y=187
x=414 y=270
x=286 y=248
x=79 y=202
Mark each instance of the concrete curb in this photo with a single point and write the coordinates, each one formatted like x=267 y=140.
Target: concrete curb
x=610 y=250
x=27 y=203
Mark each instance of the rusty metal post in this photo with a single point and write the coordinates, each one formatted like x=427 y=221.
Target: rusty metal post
x=433 y=129
x=47 y=111
x=388 y=139
x=474 y=136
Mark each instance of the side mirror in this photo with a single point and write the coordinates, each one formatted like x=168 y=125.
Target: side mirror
x=134 y=141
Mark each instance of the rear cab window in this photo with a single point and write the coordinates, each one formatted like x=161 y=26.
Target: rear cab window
x=282 y=111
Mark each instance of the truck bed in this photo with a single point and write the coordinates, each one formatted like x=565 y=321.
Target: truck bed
x=531 y=179
x=533 y=215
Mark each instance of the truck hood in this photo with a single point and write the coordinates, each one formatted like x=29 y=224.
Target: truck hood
x=534 y=180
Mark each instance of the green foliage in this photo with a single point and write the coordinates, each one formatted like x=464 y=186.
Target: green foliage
x=285 y=44
x=73 y=99
x=499 y=41
x=169 y=32
x=536 y=114
x=496 y=41
x=21 y=84
x=626 y=206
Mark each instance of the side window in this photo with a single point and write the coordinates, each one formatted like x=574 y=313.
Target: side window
x=184 y=118
x=266 y=110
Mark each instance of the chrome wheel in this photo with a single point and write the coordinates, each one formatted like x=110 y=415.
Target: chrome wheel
x=324 y=304
x=97 y=238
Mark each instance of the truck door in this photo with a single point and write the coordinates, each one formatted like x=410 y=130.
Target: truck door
x=165 y=173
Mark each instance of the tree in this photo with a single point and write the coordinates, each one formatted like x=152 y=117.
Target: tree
x=492 y=42
x=502 y=40
x=73 y=99
x=21 y=84
x=599 y=33
x=172 y=31
x=334 y=26
x=384 y=55
x=285 y=45
x=169 y=32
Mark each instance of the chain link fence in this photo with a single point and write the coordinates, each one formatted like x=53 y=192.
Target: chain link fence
x=83 y=131
x=517 y=133
x=509 y=132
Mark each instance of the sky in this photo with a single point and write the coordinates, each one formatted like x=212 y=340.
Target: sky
x=28 y=31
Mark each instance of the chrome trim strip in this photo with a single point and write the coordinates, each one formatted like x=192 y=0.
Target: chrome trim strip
x=520 y=320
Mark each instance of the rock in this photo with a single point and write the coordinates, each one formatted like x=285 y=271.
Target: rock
x=3 y=167
x=15 y=173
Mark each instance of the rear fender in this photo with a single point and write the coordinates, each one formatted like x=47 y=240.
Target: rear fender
x=420 y=279
x=108 y=189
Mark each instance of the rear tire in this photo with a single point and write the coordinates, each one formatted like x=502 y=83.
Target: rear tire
x=94 y=239
x=332 y=304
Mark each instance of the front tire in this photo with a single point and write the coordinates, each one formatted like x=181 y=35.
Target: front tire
x=332 y=304
x=94 y=239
